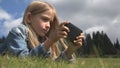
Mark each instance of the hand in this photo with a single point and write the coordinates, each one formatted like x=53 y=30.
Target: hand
x=60 y=32
x=77 y=44
x=79 y=39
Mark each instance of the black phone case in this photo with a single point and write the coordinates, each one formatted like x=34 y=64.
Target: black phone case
x=74 y=32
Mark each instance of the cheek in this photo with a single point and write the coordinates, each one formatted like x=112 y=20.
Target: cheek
x=38 y=29
x=36 y=25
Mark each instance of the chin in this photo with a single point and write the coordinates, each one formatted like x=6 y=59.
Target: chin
x=42 y=35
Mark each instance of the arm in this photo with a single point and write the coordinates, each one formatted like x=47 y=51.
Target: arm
x=17 y=44
x=68 y=53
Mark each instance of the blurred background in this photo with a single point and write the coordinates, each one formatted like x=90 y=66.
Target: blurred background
x=99 y=19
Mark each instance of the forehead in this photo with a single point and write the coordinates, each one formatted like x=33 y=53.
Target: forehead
x=48 y=13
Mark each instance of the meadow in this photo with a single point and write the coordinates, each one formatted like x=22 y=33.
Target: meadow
x=35 y=62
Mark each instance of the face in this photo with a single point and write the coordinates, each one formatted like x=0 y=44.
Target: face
x=41 y=22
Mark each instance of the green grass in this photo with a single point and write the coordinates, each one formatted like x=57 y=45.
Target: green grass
x=35 y=62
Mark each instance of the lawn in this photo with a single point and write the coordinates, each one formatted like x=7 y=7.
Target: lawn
x=35 y=62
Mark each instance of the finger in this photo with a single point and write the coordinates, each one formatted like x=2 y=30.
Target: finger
x=81 y=36
x=78 y=43
x=64 y=23
x=79 y=40
x=62 y=34
x=64 y=28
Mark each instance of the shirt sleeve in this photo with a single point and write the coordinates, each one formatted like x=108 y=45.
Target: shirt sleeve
x=63 y=56
x=17 y=44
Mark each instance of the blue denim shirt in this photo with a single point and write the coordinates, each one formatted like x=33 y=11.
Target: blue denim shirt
x=16 y=44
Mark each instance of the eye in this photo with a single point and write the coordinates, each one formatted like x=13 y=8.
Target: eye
x=45 y=19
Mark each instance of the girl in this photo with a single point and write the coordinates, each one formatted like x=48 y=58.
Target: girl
x=40 y=34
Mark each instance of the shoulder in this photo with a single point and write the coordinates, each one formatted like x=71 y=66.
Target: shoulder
x=19 y=30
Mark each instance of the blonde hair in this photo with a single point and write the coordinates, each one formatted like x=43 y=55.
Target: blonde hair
x=39 y=7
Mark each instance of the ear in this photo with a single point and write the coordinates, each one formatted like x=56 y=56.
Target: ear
x=28 y=17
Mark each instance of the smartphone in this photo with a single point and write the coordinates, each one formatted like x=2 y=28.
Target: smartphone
x=74 y=32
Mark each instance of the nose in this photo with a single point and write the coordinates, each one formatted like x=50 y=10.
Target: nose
x=48 y=25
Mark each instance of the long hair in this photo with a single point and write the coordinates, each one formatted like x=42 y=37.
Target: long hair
x=34 y=8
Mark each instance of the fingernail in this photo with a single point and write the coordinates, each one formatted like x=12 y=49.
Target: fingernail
x=76 y=37
x=74 y=41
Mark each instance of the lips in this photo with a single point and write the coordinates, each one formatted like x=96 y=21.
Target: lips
x=45 y=31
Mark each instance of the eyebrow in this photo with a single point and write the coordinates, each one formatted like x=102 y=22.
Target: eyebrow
x=47 y=17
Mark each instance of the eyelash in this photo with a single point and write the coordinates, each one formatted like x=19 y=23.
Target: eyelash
x=45 y=19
